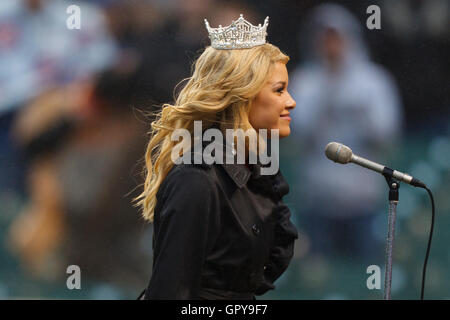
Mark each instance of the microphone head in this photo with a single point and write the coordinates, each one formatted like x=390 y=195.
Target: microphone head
x=338 y=152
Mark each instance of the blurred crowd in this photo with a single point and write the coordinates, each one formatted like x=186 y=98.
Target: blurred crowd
x=344 y=97
x=76 y=107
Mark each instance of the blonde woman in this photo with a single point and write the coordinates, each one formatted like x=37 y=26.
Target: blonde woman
x=221 y=230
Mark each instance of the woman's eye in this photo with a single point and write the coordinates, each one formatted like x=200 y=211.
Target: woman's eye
x=280 y=90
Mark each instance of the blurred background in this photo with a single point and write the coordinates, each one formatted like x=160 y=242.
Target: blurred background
x=73 y=124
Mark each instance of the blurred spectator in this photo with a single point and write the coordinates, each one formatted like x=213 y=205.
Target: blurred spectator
x=169 y=52
x=37 y=232
x=341 y=96
x=81 y=140
x=38 y=52
x=37 y=49
x=166 y=37
x=409 y=19
x=81 y=179
x=99 y=173
x=416 y=48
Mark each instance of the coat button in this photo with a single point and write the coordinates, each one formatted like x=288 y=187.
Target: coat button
x=256 y=230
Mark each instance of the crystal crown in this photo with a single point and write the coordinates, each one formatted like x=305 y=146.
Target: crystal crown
x=241 y=34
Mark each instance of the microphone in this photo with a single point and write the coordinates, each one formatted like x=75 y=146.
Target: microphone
x=340 y=153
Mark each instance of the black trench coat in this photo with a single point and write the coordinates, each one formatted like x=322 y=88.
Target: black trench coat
x=221 y=231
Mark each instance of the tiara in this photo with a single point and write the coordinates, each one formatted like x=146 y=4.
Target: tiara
x=240 y=34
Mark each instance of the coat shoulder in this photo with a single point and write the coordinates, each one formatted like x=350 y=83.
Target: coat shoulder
x=196 y=179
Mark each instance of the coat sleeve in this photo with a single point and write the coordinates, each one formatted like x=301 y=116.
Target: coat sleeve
x=282 y=249
x=187 y=225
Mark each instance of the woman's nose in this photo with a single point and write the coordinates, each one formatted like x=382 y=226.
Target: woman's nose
x=291 y=104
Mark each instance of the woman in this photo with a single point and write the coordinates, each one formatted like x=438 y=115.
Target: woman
x=221 y=231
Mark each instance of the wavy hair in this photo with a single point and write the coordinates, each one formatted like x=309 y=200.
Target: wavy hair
x=220 y=91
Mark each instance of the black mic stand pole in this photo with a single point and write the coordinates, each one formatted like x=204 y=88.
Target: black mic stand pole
x=393 y=201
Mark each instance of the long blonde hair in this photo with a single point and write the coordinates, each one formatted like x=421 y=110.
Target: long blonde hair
x=220 y=90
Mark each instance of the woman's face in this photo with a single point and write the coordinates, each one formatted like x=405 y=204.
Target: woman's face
x=270 y=108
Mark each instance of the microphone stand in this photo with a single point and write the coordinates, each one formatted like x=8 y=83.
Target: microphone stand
x=393 y=201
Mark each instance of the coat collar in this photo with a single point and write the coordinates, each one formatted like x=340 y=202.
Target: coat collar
x=240 y=173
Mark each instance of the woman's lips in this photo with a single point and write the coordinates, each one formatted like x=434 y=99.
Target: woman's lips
x=286 y=117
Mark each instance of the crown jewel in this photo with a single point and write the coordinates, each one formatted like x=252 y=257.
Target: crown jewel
x=240 y=34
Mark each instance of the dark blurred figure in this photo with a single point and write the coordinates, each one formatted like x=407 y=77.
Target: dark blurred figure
x=341 y=96
x=83 y=143
x=409 y=19
x=40 y=59
x=38 y=52
x=99 y=173
x=416 y=44
x=166 y=37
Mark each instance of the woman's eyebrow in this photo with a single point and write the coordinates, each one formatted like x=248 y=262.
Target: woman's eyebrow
x=281 y=82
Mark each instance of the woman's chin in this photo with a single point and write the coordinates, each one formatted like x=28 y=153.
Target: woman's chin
x=284 y=132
